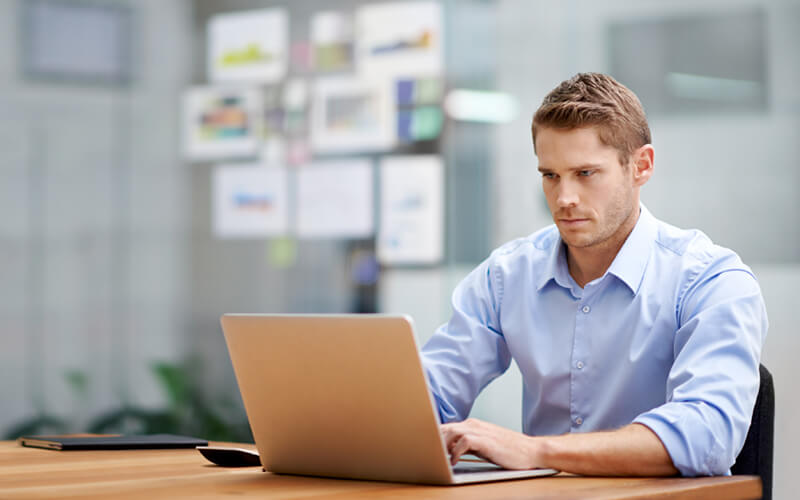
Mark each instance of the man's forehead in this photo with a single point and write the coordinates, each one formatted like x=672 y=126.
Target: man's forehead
x=589 y=134
x=572 y=148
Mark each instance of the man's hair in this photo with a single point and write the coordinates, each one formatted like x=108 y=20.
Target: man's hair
x=595 y=99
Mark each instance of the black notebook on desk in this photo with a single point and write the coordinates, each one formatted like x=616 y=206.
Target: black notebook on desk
x=147 y=441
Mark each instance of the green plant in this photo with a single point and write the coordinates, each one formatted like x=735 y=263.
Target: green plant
x=188 y=410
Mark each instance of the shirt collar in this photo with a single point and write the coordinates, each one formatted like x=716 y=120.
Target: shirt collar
x=556 y=266
x=628 y=266
x=631 y=260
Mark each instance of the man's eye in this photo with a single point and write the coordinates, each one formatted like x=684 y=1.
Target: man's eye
x=548 y=175
x=585 y=173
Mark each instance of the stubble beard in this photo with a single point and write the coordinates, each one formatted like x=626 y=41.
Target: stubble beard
x=611 y=224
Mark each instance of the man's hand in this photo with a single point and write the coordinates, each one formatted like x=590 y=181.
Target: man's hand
x=506 y=448
x=633 y=450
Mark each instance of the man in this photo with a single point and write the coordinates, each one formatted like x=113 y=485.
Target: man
x=638 y=343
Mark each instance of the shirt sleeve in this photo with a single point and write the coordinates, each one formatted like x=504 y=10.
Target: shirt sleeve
x=714 y=380
x=468 y=351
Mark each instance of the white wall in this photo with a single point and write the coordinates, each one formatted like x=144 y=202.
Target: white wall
x=92 y=225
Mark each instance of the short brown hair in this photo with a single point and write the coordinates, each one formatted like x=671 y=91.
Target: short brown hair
x=595 y=99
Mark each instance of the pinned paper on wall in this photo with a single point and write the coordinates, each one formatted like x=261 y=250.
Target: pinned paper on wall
x=221 y=123
x=248 y=46
x=295 y=94
x=412 y=210
x=332 y=41
x=399 y=39
x=250 y=201
x=419 y=112
x=300 y=56
x=335 y=199
x=352 y=115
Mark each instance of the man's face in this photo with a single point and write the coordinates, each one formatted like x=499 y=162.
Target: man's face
x=590 y=194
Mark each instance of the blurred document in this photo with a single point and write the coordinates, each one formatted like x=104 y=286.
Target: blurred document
x=248 y=46
x=332 y=41
x=412 y=210
x=221 y=122
x=335 y=200
x=250 y=201
x=352 y=115
x=399 y=39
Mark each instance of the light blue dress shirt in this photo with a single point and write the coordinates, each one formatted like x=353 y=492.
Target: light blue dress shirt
x=669 y=337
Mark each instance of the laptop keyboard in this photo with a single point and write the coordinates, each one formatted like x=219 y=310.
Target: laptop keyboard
x=469 y=467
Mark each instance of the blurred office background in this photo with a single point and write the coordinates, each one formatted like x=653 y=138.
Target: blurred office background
x=116 y=257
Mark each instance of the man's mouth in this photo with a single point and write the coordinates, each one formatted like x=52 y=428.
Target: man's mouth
x=573 y=221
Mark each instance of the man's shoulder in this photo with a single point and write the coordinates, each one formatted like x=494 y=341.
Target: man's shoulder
x=694 y=249
x=538 y=245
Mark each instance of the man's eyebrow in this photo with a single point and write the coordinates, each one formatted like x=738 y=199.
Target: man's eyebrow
x=585 y=166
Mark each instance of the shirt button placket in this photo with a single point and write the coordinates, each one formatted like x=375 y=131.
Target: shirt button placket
x=579 y=383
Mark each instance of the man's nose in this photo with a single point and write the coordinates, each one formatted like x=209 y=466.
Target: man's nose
x=567 y=195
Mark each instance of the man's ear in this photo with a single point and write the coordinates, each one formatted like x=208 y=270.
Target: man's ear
x=642 y=162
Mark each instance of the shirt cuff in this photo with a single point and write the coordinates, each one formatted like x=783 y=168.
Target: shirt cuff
x=693 y=454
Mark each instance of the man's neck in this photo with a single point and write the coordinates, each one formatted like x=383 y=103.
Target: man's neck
x=589 y=263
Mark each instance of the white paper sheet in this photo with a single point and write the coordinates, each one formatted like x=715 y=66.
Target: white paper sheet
x=250 y=201
x=412 y=210
x=335 y=199
x=399 y=39
x=332 y=41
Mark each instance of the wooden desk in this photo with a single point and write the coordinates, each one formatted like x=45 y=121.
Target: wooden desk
x=151 y=474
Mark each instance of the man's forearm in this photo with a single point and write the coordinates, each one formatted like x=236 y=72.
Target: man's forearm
x=633 y=450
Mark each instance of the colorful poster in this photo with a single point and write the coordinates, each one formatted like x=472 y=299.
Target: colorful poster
x=248 y=46
x=350 y=115
x=221 y=123
x=335 y=199
x=412 y=210
x=419 y=112
x=332 y=41
x=250 y=201
x=399 y=39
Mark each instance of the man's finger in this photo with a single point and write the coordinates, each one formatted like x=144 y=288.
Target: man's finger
x=458 y=449
x=446 y=431
x=451 y=432
x=462 y=446
x=448 y=438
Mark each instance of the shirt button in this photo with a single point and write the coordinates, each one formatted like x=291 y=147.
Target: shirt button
x=579 y=365
x=586 y=309
x=578 y=421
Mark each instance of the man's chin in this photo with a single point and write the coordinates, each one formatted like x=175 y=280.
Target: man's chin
x=576 y=240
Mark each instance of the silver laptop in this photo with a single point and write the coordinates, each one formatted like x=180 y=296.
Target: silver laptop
x=344 y=396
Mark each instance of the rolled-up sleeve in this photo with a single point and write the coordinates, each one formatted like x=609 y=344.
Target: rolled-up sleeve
x=714 y=380
x=469 y=351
